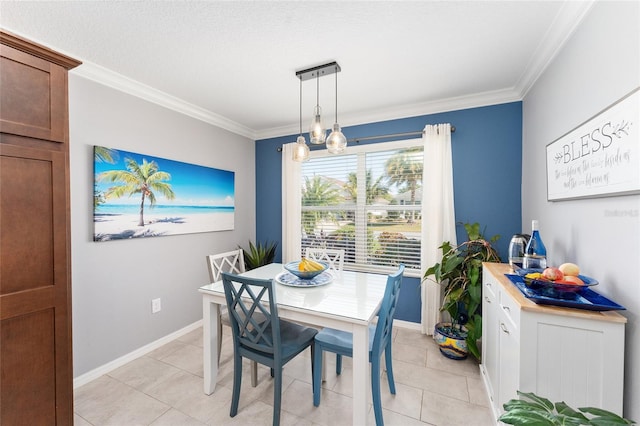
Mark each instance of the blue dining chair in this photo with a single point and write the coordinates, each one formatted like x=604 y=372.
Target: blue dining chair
x=341 y=343
x=260 y=335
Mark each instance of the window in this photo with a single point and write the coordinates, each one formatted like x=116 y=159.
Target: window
x=367 y=202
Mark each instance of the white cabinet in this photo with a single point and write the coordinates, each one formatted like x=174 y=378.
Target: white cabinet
x=490 y=337
x=562 y=354
x=508 y=361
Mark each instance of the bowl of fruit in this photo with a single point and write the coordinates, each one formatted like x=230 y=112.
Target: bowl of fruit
x=306 y=268
x=564 y=282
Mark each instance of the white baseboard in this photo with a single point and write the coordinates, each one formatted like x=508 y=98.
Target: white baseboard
x=119 y=362
x=407 y=324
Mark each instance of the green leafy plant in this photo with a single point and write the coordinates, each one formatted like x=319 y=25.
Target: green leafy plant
x=532 y=409
x=460 y=272
x=259 y=254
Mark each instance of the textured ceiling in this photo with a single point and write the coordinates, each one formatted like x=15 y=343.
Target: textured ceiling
x=233 y=63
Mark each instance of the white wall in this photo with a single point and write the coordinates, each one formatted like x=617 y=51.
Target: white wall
x=113 y=282
x=599 y=65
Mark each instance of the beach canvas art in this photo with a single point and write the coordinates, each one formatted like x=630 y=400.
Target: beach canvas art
x=138 y=195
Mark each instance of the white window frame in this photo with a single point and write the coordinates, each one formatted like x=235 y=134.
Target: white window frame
x=361 y=207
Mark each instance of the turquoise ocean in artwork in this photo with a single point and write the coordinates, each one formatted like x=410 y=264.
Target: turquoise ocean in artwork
x=112 y=209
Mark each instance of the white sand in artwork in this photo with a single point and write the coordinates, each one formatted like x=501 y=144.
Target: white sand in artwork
x=123 y=226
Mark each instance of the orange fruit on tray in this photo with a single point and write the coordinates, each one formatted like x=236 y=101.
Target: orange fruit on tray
x=570 y=279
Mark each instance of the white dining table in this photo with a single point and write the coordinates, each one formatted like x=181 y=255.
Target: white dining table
x=349 y=302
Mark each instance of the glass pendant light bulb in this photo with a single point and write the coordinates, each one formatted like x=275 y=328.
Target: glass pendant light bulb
x=301 y=151
x=317 y=132
x=336 y=142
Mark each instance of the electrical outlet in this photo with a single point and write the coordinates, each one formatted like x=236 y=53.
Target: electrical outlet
x=156 y=306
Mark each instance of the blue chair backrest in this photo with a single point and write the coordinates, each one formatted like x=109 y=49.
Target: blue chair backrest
x=244 y=298
x=387 y=311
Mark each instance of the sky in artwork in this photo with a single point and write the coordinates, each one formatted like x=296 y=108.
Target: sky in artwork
x=192 y=184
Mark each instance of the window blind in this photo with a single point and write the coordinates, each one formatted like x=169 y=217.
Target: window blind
x=367 y=202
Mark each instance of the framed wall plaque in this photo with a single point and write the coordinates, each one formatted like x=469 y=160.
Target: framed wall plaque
x=600 y=157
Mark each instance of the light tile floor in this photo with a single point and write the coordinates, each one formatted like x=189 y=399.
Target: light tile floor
x=165 y=387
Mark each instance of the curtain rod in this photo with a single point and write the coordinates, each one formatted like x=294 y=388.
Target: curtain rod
x=392 y=135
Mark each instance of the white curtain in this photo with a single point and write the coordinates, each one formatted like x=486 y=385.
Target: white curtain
x=291 y=200
x=438 y=215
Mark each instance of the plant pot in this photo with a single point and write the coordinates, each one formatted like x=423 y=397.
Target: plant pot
x=453 y=345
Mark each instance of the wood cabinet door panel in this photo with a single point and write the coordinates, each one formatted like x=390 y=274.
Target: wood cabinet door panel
x=28 y=369
x=34 y=100
x=32 y=201
x=35 y=350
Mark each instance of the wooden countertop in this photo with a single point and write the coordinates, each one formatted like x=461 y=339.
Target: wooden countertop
x=499 y=269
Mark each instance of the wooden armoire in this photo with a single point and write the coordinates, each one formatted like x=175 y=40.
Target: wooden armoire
x=36 y=381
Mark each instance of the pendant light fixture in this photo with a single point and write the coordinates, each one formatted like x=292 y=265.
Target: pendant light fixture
x=317 y=131
x=336 y=142
x=301 y=150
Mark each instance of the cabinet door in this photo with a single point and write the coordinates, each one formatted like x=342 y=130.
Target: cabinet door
x=34 y=96
x=573 y=361
x=490 y=337
x=509 y=365
x=35 y=325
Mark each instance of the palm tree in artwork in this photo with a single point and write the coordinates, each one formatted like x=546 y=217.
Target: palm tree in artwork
x=102 y=154
x=105 y=155
x=144 y=179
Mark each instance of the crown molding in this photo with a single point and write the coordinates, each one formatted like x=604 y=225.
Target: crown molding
x=132 y=87
x=124 y=84
x=413 y=110
x=564 y=25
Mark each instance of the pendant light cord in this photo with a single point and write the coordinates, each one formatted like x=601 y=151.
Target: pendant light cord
x=336 y=95
x=301 y=107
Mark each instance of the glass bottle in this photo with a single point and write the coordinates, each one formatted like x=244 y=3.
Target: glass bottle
x=535 y=254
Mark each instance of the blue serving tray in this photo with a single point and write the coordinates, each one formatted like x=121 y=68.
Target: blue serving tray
x=585 y=299
x=287 y=278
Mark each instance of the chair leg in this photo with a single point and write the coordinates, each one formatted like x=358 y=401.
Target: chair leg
x=254 y=374
x=237 y=382
x=375 y=390
x=317 y=373
x=219 y=338
x=277 y=395
x=313 y=352
x=324 y=368
x=338 y=364
x=389 y=364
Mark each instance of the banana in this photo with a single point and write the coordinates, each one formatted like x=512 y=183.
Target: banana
x=308 y=265
x=315 y=266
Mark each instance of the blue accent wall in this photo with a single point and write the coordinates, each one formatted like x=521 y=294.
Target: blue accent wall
x=487 y=163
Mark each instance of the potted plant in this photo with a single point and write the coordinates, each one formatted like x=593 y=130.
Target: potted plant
x=259 y=254
x=460 y=273
x=532 y=409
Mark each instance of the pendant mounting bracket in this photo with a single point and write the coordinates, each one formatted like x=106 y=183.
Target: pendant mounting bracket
x=318 y=71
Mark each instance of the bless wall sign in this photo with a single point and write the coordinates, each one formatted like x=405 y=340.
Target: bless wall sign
x=599 y=158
